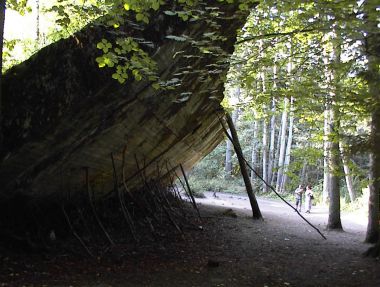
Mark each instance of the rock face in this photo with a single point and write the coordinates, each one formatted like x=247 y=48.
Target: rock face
x=64 y=115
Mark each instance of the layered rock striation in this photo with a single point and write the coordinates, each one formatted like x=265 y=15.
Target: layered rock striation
x=64 y=117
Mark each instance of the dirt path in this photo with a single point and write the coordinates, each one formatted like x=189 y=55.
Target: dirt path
x=227 y=249
x=352 y=222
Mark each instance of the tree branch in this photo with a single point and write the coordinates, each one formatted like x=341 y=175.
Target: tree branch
x=278 y=34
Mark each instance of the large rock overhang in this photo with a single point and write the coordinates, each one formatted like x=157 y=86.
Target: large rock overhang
x=63 y=116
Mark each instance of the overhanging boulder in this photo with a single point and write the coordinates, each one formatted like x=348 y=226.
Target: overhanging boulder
x=64 y=116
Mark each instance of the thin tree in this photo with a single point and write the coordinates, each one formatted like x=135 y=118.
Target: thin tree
x=272 y=140
x=347 y=172
x=288 y=148
x=334 y=221
x=276 y=156
x=265 y=154
x=254 y=148
x=326 y=147
x=372 y=51
x=302 y=174
x=38 y=35
x=281 y=157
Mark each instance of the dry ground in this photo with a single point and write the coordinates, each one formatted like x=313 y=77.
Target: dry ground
x=227 y=249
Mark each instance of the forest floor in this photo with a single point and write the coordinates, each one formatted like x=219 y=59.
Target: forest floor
x=228 y=248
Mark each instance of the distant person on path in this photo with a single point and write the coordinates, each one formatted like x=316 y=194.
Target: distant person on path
x=298 y=193
x=309 y=198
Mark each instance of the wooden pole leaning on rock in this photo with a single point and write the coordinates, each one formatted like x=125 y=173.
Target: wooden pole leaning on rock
x=120 y=193
x=190 y=192
x=75 y=233
x=256 y=213
x=260 y=177
x=97 y=219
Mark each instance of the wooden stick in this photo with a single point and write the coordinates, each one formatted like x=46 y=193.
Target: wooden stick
x=123 y=172
x=168 y=214
x=76 y=234
x=84 y=221
x=183 y=186
x=124 y=209
x=175 y=190
x=190 y=192
x=147 y=188
x=125 y=184
x=94 y=211
x=274 y=190
x=256 y=213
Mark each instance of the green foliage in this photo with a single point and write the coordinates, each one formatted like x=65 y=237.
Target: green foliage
x=199 y=186
x=211 y=166
x=301 y=41
x=208 y=175
x=127 y=58
x=72 y=15
x=21 y=6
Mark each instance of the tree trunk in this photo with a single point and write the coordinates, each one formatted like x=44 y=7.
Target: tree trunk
x=373 y=79
x=276 y=156
x=326 y=147
x=228 y=161
x=334 y=221
x=254 y=150
x=281 y=158
x=333 y=84
x=288 y=149
x=302 y=176
x=271 y=142
x=372 y=234
x=347 y=173
x=256 y=213
x=265 y=154
x=38 y=36
x=272 y=126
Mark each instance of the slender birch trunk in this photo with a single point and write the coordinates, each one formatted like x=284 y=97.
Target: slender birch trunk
x=326 y=147
x=265 y=154
x=272 y=141
x=228 y=160
x=347 y=172
x=272 y=126
x=276 y=156
x=281 y=158
x=254 y=150
x=288 y=148
x=265 y=137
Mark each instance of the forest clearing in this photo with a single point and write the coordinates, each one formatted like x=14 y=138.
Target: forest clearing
x=189 y=143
